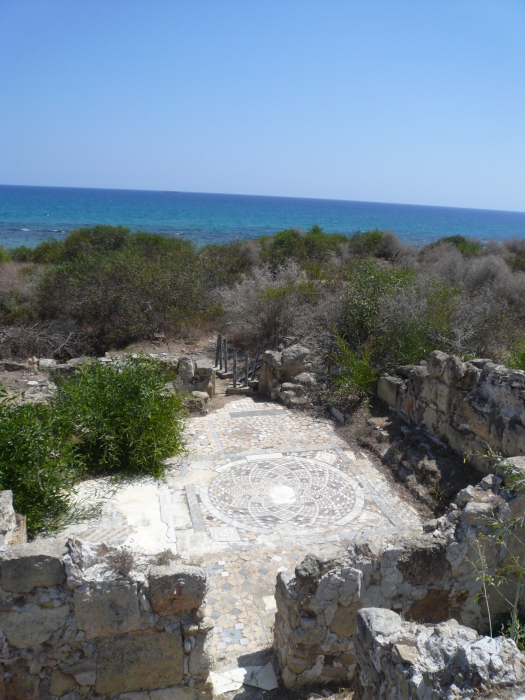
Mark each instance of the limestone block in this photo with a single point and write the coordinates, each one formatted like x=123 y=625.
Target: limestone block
x=265 y=379
x=375 y=622
x=8 y=522
x=107 y=611
x=304 y=378
x=200 y=398
x=46 y=364
x=23 y=685
x=344 y=623
x=454 y=370
x=26 y=566
x=404 y=654
x=60 y=683
x=205 y=385
x=140 y=662
x=463 y=411
x=391 y=390
x=444 y=397
x=298 y=664
x=436 y=363
x=204 y=368
x=272 y=358
x=84 y=671
x=288 y=677
x=409 y=402
x=471 y=378
x=428 y=390
x=430 y=419
x=308 y=634
x=416 y=377
x=175 y=588
x=186 y=372
x=423 y=561
x=32 y=625
x=457 y=439
x=513 y=442
x=491 y=482
x=480 y=421
x=295 y=357
x=201 y=657
x=517 y=463
x=475 y=514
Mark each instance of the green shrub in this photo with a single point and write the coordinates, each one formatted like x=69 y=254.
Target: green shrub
x=517 y=355
x=279 y=249
x=292 y=245
x=389 y=317
x=356 y=375
x=517 y=262
x=122 y=419
x=36 y=463
x=126 y=294
x=467 y=246
x=5 y=255
x=367 y=284
x=224 y=264
x=369 y=243
x=105 y=419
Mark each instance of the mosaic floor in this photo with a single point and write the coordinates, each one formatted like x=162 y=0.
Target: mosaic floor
x=260 y=488
x=263 y=494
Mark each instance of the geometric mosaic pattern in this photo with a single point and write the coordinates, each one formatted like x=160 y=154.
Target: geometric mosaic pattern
x=292 y=491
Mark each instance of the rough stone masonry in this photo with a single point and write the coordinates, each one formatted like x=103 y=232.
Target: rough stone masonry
x=426 y=579
x=470 y=406
x=81 y=620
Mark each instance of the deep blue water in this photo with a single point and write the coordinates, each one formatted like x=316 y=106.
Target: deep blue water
x=29 y=215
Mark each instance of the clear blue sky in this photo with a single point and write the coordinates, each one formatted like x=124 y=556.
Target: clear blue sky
x=413 y=101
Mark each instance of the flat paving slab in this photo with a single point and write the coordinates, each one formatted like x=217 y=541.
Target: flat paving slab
x=261 y=487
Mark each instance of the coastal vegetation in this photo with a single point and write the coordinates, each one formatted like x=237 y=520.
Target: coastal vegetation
x=368 y=300
x=366 y=303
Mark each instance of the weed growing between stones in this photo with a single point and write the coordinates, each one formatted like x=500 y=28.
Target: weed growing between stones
x=505 y=533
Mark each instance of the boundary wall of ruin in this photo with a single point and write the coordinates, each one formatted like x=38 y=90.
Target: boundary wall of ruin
x=470 y=406
x=80 y=620
x=426 y=579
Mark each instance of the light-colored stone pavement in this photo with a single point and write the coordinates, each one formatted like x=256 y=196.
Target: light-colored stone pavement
x=260 y=488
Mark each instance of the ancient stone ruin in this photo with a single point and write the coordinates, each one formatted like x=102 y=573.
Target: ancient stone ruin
x=366 y=593
x=100 y=619
x=322 y=632
x=470 y=406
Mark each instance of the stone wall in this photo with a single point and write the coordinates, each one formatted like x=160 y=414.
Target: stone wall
x=427 y=579
x=80 y=620
x=285 y=376
x=400 y=660
x=470 y=406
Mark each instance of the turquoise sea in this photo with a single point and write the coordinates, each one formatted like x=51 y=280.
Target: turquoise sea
x=29 y=215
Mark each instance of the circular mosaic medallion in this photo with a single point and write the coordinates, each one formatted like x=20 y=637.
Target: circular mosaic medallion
x=264 y=494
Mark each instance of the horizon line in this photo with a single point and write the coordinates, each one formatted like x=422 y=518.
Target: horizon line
x=266 y=196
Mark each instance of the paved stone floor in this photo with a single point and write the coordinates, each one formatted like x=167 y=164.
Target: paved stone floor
x=260 y=488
